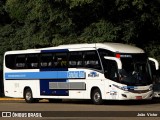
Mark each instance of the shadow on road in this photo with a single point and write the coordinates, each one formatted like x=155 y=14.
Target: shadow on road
x=113 y=102
x=80 y=102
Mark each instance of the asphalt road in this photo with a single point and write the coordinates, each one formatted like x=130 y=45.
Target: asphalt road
x=69 y=110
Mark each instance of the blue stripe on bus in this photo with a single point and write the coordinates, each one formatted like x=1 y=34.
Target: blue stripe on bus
x=53 y=69
x=45 y=75
x=125 y=87
x=55 y=50
x=44 y=88
x=129 y=87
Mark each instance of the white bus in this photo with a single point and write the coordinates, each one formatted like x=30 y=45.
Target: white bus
x=99 y=71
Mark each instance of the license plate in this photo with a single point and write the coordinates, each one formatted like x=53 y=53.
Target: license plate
x=138 y=97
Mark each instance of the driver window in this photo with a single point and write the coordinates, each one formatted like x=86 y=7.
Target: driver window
x=111 y=71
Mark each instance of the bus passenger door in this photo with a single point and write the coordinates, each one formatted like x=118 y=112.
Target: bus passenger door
x=111 y=73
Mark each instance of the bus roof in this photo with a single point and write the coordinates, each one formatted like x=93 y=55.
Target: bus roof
x=114 y=47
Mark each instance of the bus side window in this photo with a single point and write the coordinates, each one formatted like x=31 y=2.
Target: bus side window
x=32 y=61
x=20 y=61
x=111 y=70
x=46 y=60
x=91 y=60
x=10 y=61
x=60 y=60
x=75 y=59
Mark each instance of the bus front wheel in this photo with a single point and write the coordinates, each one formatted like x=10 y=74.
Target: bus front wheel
x=96 y=97
x=28 y=96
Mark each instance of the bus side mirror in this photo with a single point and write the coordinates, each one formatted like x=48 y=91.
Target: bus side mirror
x=155 y=63
x=117 y=60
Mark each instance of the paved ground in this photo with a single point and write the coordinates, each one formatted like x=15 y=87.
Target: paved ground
x=126 y=109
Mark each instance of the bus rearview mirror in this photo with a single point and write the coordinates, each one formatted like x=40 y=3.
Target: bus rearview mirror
x=117 y=60
x=155 y=62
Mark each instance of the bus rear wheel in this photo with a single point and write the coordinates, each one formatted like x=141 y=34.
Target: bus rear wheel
x=29 y=97
x=96 y=97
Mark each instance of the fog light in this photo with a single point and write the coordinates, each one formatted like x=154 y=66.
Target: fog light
x=124 y=95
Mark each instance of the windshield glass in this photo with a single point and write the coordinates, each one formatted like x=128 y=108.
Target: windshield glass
x=135 y=70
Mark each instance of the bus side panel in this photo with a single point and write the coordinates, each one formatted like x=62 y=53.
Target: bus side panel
x=94 y=79
x=11 y=89
x=33 y=85
x=16 y=88
x=47 y=91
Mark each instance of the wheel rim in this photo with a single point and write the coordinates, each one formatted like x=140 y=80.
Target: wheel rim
x=28 y=96
x=97 y=97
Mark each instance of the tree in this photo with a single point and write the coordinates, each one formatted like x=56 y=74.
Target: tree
x=102 y=31
x=40 y=23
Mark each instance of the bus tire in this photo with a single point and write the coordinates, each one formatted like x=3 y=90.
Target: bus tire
x=55 y=100
x=96 y=97
x=28 y=96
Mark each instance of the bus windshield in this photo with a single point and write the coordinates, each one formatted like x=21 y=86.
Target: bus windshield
x=135 y=70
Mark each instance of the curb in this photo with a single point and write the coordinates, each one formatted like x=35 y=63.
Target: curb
x=1 y=99
x=17 y=99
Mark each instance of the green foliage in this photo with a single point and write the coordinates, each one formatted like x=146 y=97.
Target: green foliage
x=6 y=33
x=153 y=50
x=17 y=9
x=3 y=15
x=41 y=23
x=102 y=31
x=75 y=3
x=129 y=31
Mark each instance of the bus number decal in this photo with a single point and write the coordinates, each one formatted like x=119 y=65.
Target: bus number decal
x=76 y=74
x=93 y=74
